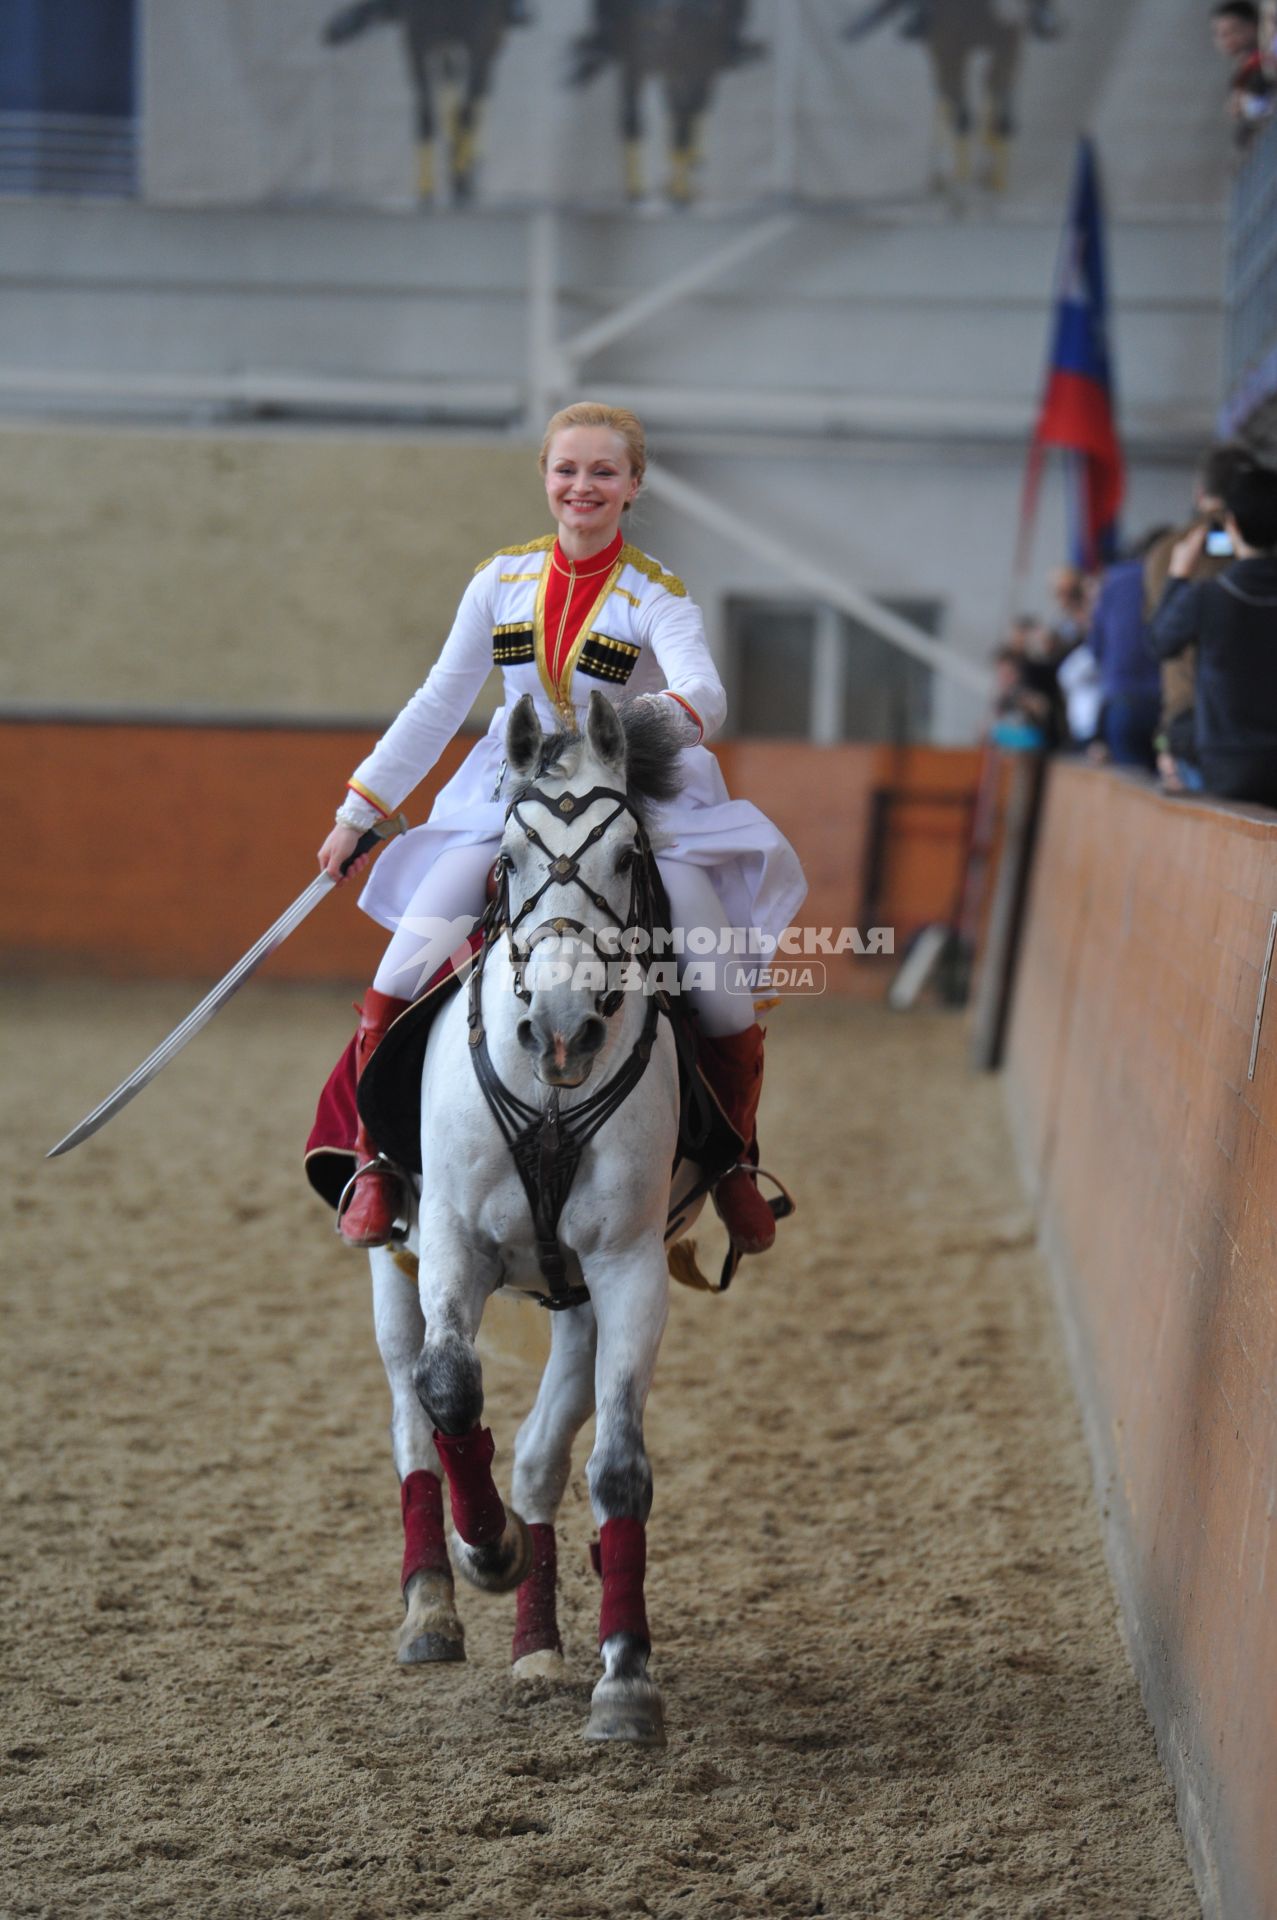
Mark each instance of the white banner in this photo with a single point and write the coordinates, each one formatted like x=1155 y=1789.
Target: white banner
x=404 y=103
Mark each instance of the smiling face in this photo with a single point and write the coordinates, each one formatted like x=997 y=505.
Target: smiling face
x=589 y=481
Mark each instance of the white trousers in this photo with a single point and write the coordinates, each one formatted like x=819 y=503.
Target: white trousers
x=451 y=898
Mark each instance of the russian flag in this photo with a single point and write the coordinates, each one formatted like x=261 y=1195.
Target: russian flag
x=1077 y=411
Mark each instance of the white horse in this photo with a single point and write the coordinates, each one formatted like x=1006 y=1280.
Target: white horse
x=550 y=1029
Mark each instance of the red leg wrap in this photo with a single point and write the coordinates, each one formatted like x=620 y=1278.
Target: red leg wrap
x=536 y=1626
x=477 y=1511
x=622 y=1562
x=424 y=1546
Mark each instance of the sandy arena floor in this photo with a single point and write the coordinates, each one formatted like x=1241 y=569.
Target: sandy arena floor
x=892 y=1673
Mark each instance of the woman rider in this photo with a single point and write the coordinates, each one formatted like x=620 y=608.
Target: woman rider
x=573 y=611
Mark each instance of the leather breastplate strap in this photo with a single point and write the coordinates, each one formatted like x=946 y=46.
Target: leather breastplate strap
x=546 y=1143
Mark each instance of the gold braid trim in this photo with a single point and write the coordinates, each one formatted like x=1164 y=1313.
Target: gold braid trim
x=542 y=545
x=644 y=564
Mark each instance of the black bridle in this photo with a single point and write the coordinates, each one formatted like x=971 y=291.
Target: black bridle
x=545 y=1143
x=564 y=869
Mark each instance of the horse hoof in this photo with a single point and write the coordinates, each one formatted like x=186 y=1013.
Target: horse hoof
x=501 y=1564
x=547 y=1663
x=627 y=1710
x=429 y=1648
x=431 y=1631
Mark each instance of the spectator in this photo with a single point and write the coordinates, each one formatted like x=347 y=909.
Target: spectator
x=1174 y=737
x=1015 y=727
x=1026 y=713
x=1078 y=675
x=1073 y=592
x=1076 y=669
x=1039 y=661
x=1235 y=31
x=1130 y=687
x=1232 y=621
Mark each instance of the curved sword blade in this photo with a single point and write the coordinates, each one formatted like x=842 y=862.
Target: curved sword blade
x=198 y=1017
x=213 y=1001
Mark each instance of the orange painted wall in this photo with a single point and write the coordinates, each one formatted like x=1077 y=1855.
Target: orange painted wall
x=1153 y=1159
x=164 y=850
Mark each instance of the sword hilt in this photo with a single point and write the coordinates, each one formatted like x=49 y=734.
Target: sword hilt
x=379 y=830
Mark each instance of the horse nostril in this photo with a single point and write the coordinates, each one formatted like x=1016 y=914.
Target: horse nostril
x=526 y=1038
x=592 y=1035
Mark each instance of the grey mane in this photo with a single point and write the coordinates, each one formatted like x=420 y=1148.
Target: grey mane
x=653 y=756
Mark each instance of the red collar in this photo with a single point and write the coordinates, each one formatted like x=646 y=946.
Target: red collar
x=595 y=567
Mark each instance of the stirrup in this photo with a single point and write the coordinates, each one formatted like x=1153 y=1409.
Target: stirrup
x=378 y=1164
x=782 y=1204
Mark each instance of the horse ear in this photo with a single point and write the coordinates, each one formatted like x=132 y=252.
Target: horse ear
x=523 y=737
x=604 y=732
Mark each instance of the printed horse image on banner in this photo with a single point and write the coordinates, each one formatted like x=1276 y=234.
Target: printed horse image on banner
x=961 y=36
x=686 y=45
x=444 y=40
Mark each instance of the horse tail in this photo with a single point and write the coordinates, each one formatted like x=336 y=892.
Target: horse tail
x=349 y=22
x=872 y=18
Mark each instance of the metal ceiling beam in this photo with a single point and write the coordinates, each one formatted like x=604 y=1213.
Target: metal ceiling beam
x=667 y=293
x=814 y=579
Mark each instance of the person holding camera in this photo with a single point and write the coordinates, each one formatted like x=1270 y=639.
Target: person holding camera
x=1174 y=738
x=1232 y=622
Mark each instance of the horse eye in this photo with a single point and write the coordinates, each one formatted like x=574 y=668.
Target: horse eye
x=626 y=859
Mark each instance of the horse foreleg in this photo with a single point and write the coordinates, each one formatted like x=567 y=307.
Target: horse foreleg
x=948 y=65
x=682 y=160
x=423 y=96
x=632 y=130
x=630 y=1309
x=687 y=105
x=542 y=1462
x=491 y=1547
x=1004 y=66
x=431 y=1630
x=465 y=126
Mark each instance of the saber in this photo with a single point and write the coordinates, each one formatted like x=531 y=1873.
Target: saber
x=215 y=1000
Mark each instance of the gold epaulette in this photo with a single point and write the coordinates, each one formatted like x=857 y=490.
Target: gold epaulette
x=532 y=546
x=644 y=564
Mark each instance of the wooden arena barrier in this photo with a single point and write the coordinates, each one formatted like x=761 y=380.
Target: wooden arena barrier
x=163 y=848
x=1152 y=1155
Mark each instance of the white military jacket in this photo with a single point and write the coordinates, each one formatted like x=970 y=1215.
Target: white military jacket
x=643 y=634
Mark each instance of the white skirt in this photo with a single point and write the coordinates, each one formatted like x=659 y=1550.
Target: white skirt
x=752 y=866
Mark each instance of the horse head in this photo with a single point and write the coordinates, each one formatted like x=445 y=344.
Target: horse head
x=575 y=865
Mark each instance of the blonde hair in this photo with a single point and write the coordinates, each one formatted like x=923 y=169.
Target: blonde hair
x=592 y=413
